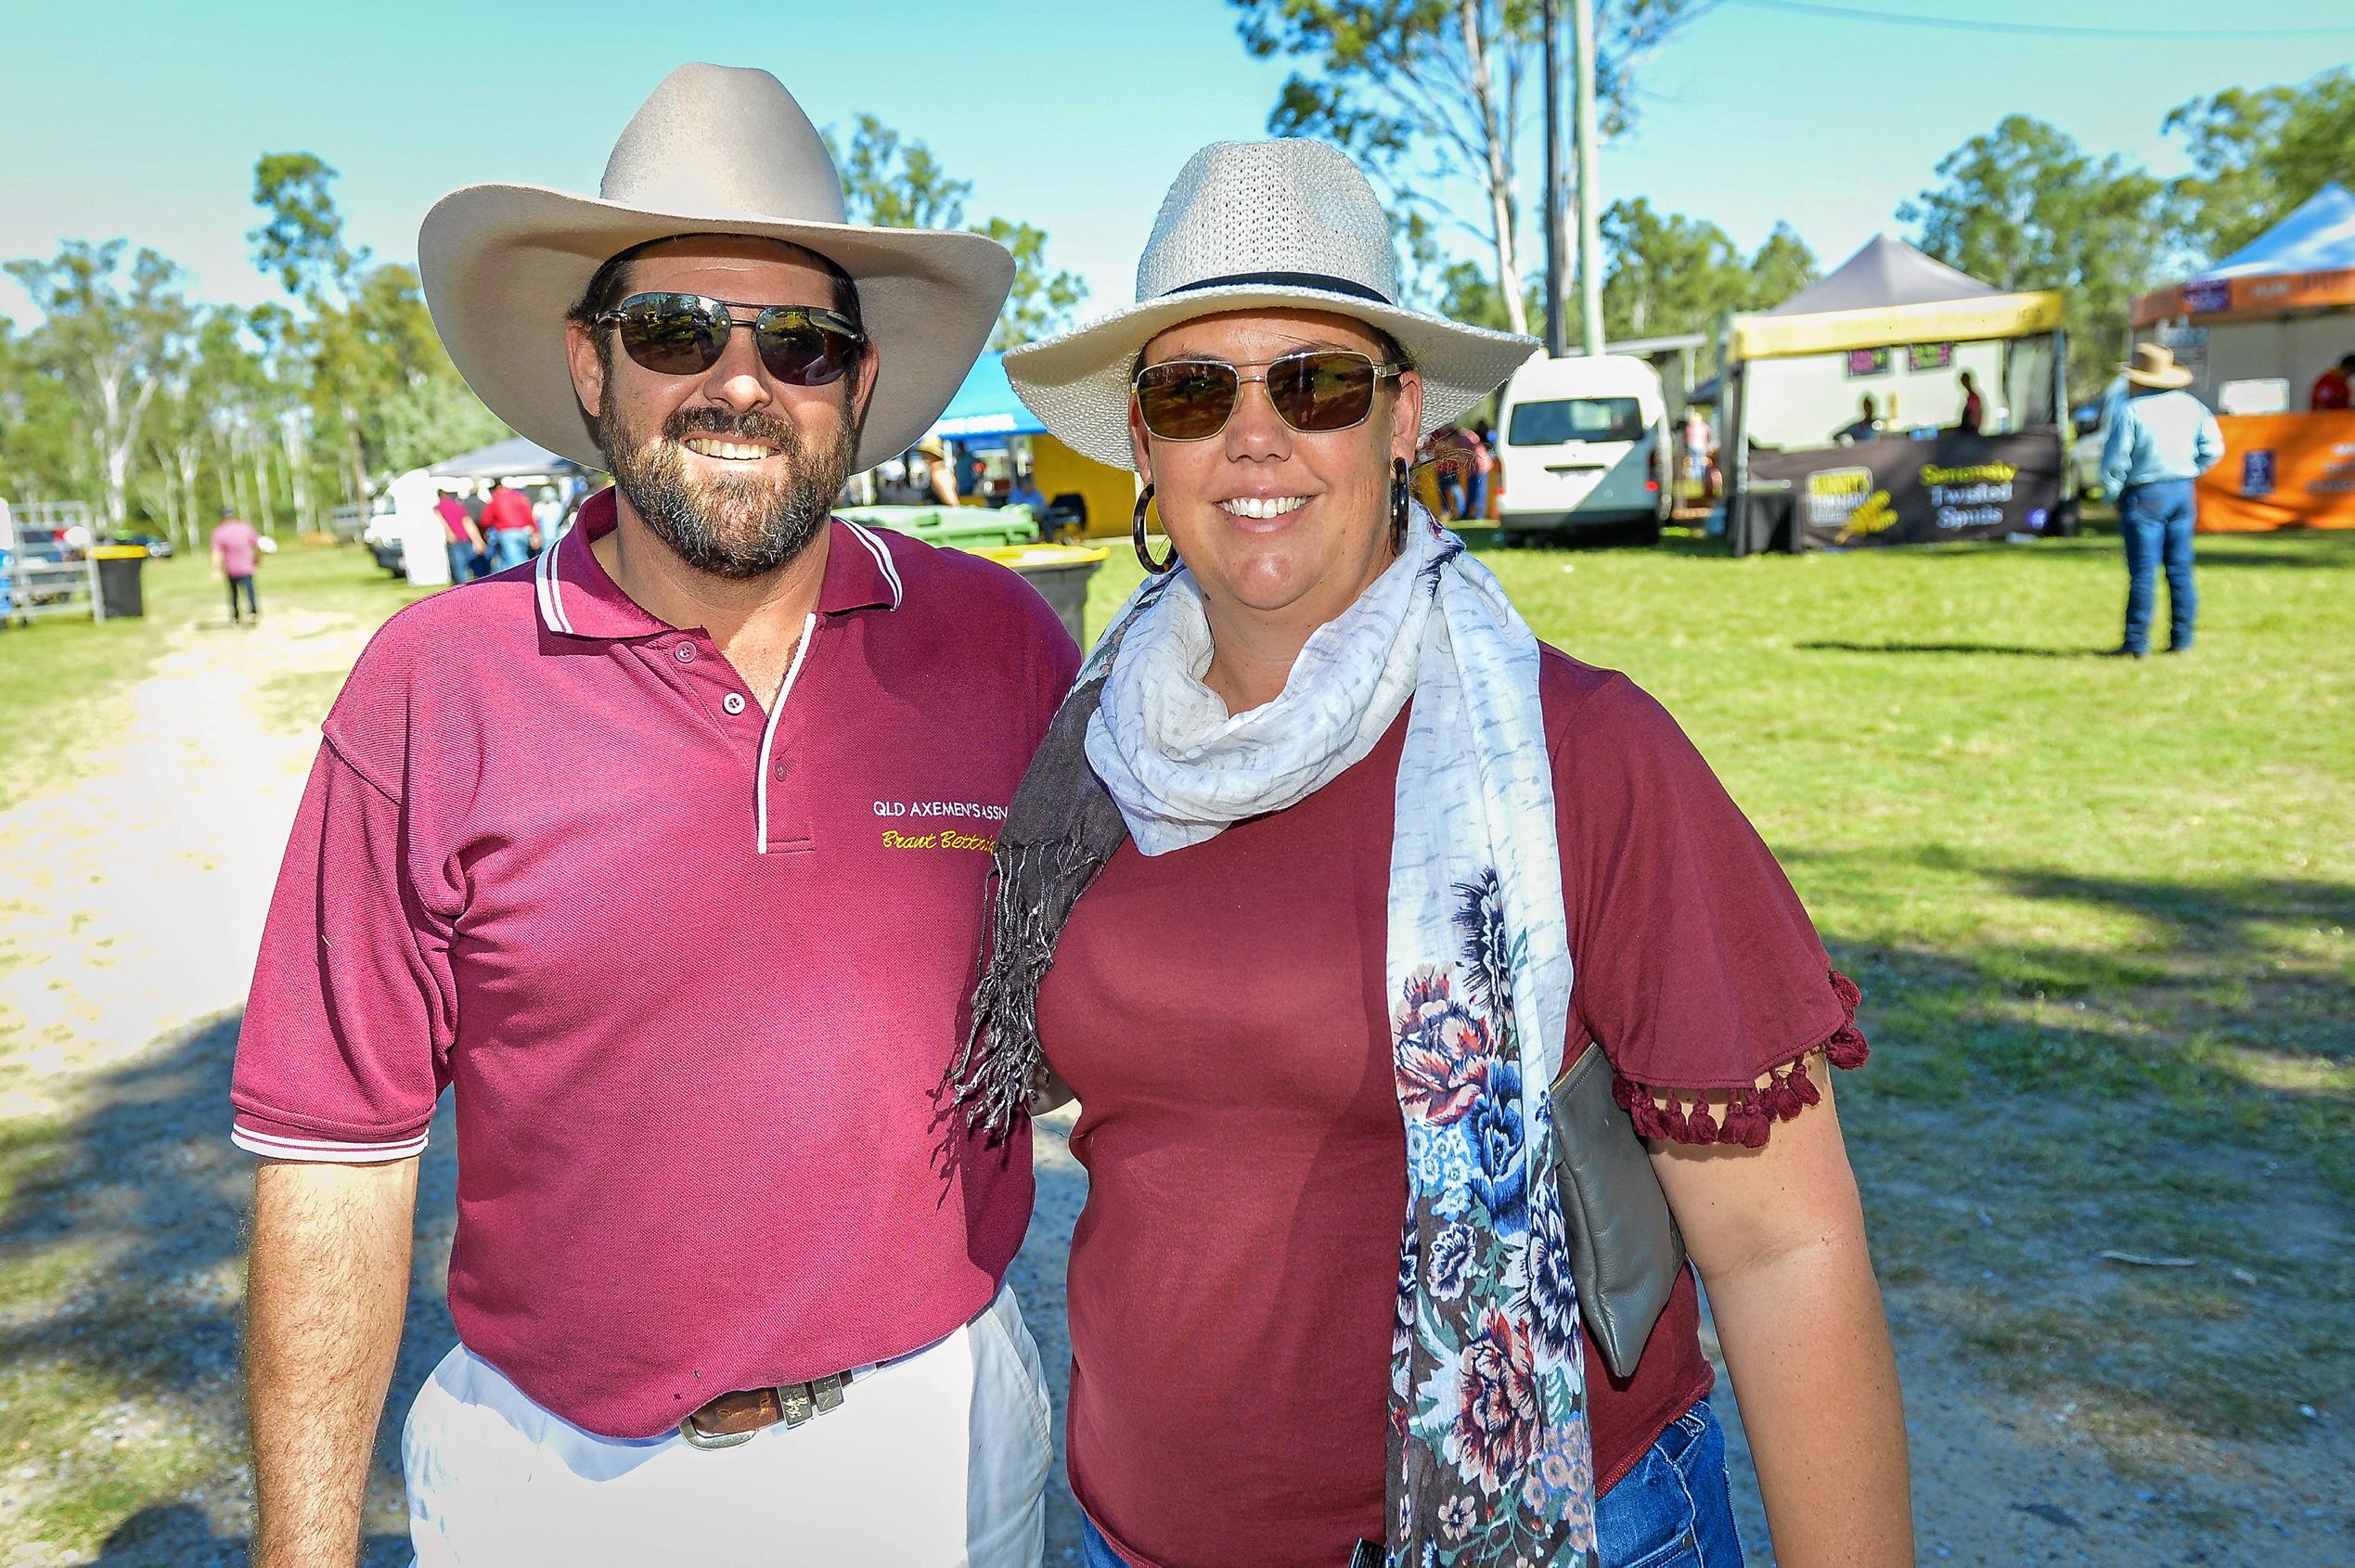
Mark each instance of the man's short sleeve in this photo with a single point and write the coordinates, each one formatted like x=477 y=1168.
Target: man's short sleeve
x=346 y=1037
x=1696 y=967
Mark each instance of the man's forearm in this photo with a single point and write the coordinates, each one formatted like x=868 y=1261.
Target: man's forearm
x=1820 y=1403
x=326 y=1285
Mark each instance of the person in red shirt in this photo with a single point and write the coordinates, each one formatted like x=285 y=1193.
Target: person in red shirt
x=665 y=858
x=236 y=555
x=508 y=524
x=1326 y=870
x=2333 y=386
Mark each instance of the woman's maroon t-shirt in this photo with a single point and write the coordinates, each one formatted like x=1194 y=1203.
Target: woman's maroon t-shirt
x=1222 y=1013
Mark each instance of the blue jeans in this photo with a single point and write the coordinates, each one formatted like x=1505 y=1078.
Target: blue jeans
x=461 y=561
x=1475 y=498
x=1674 y=1509
x=509 y=547
x=2157 y=520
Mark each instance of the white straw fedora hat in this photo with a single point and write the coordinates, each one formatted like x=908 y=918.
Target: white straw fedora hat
x=2153 y=366
x=715 y=150
x=1289 y=224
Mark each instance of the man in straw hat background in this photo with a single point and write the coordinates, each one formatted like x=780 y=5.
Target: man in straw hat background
x=2161 y=442
x=667 y=853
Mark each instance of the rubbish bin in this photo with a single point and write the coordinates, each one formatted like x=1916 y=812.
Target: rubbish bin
x=955 y=528
x=119 y=589
x=1060 y=572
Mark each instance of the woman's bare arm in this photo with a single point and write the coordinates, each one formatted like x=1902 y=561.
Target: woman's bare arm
x=1778 y=1236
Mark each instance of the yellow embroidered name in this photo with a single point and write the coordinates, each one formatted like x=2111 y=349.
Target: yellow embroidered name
x=938 y=841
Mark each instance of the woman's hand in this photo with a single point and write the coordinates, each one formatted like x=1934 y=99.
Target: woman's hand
x=1778 y=1236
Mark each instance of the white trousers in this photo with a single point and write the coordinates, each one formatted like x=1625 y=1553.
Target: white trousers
x=939 y=1459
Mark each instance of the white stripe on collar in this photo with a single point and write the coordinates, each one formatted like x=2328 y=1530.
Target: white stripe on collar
x=551 y=594
x=883 y=555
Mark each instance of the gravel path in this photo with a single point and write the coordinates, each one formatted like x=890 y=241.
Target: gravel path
x=129 y=908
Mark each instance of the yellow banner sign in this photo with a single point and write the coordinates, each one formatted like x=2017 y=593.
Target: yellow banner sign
x=1997 y=315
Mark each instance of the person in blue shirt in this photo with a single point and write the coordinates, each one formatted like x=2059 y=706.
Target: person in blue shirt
x=1023 y=492
x=2161 y=440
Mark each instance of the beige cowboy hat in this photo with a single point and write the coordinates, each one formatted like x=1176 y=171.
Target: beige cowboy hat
x=1287 y=225
x=715 y=150
x=2154 y=366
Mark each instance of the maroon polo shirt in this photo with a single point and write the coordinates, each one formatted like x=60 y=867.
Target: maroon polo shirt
x=693 y=971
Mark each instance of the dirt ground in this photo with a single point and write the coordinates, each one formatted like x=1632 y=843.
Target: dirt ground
x=130 y=905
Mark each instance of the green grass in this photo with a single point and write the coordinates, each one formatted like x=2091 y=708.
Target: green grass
x=63 y=682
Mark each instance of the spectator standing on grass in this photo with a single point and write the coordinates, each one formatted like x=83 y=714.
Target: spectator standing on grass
x=1484 y=463
x=509 y=525
x=1699 y=440
x=667 y=859
x=2335 y=388
x=465 y=540
x=237 y=552
x=2161 y=440
x=547 y=511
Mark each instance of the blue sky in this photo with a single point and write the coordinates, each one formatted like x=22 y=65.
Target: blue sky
x=144 y=120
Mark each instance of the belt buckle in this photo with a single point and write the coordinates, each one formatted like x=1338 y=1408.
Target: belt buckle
x=797 y=1404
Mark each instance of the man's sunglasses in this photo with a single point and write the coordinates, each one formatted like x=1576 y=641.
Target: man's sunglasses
x=1315 y=392
x=686 y=334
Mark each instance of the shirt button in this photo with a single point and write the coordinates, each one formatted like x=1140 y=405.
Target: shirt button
x=733 y=702
x=684 y=653
x=778 y=773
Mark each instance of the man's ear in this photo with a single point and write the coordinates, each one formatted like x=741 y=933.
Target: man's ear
x=869 y=364
x=589 y=371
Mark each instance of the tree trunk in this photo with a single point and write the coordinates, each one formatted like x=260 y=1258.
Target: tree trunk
x=358 y=470
x=261 y=486
x=1502 y=214
x=292 y=439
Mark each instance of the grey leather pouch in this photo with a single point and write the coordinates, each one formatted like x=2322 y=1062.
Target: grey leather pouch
x=1625 y=1249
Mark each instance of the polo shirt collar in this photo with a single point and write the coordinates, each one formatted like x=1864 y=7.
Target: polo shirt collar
x=578 y=598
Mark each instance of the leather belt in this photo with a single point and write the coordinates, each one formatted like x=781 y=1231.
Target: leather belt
x=735 y=1417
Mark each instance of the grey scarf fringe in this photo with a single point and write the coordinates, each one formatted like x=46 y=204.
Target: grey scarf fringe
x=1061 y=829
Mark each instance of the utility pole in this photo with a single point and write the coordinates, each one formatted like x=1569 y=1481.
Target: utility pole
x=1590 y=217
x=1555 y=330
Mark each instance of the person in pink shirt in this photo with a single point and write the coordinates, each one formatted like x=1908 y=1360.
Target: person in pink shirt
x=236 y=551
x=465 y=540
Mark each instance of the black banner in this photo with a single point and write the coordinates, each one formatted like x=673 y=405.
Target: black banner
x=1898 y=491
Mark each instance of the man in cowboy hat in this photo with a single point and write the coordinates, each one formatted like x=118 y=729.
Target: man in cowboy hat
x=2161 y=441
x=667 y=855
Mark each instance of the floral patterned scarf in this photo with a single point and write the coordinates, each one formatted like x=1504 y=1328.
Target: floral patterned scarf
x=1489 y=1461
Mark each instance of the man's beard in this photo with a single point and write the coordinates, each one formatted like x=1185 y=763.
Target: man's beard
x=736 y=528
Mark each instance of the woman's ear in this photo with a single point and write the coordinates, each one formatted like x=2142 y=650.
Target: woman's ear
x=1137 y=443
x=1406 y=417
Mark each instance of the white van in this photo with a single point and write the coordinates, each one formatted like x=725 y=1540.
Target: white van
x=1583 y=446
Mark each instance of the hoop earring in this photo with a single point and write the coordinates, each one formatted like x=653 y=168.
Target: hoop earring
x=1137 y=534
x=1401 y=492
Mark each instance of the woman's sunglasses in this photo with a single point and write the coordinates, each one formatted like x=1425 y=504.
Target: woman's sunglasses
x=1315 y=392
x=686 y=334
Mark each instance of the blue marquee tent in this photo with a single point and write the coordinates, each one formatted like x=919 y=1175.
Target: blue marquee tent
x=985 y=411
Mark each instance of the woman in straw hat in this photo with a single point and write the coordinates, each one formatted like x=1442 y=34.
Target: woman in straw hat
x=1336 y=865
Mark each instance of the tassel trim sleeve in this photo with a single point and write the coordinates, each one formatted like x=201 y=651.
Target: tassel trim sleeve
x=1747 y=1115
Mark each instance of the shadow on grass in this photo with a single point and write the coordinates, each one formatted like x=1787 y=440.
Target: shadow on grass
x=2179 y=1082
x=2006 y=649
x=179 y=1534
x=128 y=1226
